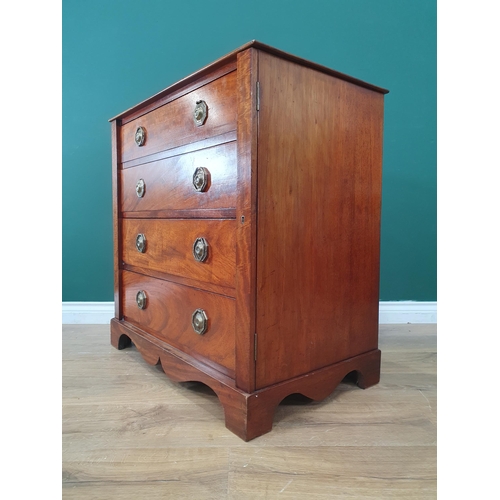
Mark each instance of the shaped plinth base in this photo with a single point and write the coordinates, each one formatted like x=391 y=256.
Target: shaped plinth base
x=247 y=415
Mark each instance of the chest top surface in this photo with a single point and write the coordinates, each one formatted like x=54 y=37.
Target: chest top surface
x=228 y=59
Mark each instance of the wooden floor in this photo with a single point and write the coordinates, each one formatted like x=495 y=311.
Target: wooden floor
x=131 y=433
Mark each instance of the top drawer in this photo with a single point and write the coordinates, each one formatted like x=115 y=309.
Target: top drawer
x=173 y=124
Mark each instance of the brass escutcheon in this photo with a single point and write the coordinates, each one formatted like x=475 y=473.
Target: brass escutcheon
x=140 y=242
x=200 y=113
x=200 y=178
x=199 y=321
x=140 y=188
x=141 y=299
x=140 y=136
x=200 y=249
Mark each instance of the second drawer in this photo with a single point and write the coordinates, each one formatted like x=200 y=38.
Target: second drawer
x=198 y=249
x=169 y=184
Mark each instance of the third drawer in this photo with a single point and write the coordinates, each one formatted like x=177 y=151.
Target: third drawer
x=198 y=249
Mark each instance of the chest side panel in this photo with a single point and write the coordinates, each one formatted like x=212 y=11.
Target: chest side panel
x=319 y=185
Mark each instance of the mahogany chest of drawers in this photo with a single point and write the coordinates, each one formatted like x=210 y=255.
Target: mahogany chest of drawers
x=246 y=203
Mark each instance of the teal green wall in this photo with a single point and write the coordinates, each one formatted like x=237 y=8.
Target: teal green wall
x=119 y=52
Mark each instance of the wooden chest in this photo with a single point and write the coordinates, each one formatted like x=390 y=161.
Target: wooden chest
x=246 y=202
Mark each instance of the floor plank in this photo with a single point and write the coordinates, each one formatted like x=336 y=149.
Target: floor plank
x=130 y=432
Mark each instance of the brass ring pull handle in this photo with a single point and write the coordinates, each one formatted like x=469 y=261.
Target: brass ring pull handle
x=200 y=249
x=140 y=136
x=141 y=299
x=199 y=321
x=200 y=178
x=200 y=113
x=140 y=188
x=140 y=242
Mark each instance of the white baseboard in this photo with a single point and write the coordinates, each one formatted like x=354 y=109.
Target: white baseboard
x=100 y=313
x=87 y=313
x=407 y=312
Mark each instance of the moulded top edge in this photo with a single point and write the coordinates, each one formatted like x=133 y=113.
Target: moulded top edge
x=231 y=56
x=312 y=65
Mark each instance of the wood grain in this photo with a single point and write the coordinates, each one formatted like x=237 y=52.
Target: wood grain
x=334 y=472
x=246 y=223
x=169 y=182
x=188 y=84
x=169 y=248
x=319 y=181
x=168 y=314
x=172 y=473
x=128 y=432
x=116 y=196
x=172 y=124
x=181 y=150
x=182 y=280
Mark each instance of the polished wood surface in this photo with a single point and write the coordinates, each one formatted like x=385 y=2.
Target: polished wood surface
x=246 y=222
x=169 y=182
x=169 y=248
x=190 y=213
x=116 y=195
x=168 y=316
x=128 y=432
x=209 y=142
x=178 y=89
x=320 y=159
x=182 y=280
x=172 y=124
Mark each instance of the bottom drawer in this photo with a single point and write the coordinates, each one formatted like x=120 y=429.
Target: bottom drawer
x=199 y=323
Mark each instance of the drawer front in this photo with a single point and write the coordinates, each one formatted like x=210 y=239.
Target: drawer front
x=168 y=314
x=173 y=124
x=170 y=245
x=168 y=184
